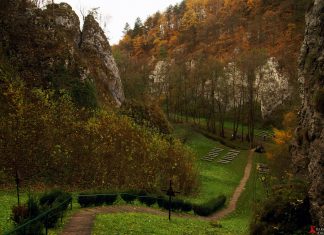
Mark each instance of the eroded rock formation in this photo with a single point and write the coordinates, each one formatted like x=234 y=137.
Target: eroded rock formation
x=50 y=50
x=308 y=149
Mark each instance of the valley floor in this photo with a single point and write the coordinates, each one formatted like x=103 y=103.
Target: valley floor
x=215 y=179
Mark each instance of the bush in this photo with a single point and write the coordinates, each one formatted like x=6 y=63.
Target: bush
x=128 y=197
x=176 y=204
x=51 y=200
x=146 y=199
x=150 y=115
x=19 y=214
x=86 y=200
x=210 y=207
x=186 y=206
x=54 y=196
x=162 y=202
x=287 y=211
x=110 y=199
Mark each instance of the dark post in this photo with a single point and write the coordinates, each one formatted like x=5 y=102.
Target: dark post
x=171 y=194
x=17 y=179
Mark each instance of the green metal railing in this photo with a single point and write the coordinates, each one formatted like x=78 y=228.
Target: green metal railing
x=44 y=217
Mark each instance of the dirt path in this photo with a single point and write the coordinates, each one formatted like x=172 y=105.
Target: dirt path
x=238 y=191
x=82 y=222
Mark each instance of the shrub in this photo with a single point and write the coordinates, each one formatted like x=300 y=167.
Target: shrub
x=100 y=199
x=287 y=211
x=86 y=201
x=128 y=197
x=209 y=207
x=110 y=199
x=54 y=196
x=19 y=214
x=176 y=204
x=162 y=202
x=150 y=115
x=186 y=206
x=51 y=200
x=96 y=199
x=147 y=199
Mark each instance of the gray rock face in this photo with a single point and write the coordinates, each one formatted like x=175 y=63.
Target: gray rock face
x=95 y=46
x=308 y=148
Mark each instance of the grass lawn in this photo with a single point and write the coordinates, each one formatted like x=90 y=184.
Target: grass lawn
x=8 y=199
x=140 y=223
x=239 y=221
x=215 y=178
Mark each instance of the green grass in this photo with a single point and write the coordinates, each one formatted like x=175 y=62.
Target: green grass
x=8 y=199
x=215 y=178
x=140 y=223
x=238 y=222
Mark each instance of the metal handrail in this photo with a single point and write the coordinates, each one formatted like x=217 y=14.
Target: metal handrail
x=39 y=217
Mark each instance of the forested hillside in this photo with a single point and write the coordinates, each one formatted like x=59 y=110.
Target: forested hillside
x=217 y=59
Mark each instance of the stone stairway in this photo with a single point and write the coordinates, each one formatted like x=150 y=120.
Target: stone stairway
x=228 y=157
x=212 y=154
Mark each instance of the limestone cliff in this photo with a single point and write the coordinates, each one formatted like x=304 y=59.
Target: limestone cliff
x=49 y=49
x=308 y=149
x=95 y=46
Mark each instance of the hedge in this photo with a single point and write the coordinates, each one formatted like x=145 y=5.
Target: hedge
x=209 y=207
x=86 y=200
x=204 y=209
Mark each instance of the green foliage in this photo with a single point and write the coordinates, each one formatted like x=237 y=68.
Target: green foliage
x=51 y=200
x=210 y=207
x=147 y=199
x=64 y=145
x=150 y=115
x=84 y=93
x=21 y=214
x=286 y=210
x=86 y=200
x=129 y=197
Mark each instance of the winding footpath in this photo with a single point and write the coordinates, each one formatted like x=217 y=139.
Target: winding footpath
x=81 y=223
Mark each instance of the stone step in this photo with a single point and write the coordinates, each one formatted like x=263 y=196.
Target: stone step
x=224 y=162
x=211 y=158
x=227 y=159
x=208 y=160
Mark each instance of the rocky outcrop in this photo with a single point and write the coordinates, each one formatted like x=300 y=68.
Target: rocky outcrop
x=51 y=51
x=308 y=149
x=95 y=46
x=273 y=87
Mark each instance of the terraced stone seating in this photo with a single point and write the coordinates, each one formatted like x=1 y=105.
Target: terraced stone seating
x=212 y=154
x=230 y=156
